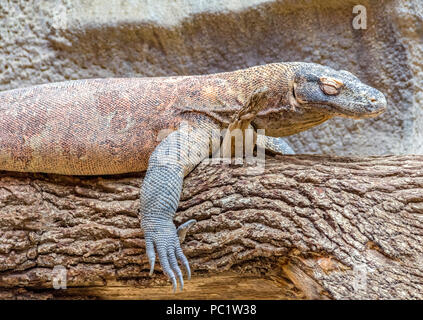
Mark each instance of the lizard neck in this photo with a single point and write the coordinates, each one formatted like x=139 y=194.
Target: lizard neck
x=228 y=92
x=222 y=95
x=281 y=117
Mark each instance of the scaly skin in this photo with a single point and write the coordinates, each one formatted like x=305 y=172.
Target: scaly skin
x=112 y=126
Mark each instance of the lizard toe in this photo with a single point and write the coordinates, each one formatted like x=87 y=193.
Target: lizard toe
x=181 y=257
x=174 y=265
x=164 y=262
x=149 y=247
x=183 y=229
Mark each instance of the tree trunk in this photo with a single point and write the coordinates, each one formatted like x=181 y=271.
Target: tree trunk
x=309 y=227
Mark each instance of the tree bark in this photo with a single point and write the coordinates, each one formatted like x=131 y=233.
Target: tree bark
x=309 y=227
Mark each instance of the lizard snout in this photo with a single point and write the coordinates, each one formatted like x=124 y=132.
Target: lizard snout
x=377 y=103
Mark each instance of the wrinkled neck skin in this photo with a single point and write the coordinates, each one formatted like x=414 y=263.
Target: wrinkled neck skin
x=289 y=122
x=280 y=117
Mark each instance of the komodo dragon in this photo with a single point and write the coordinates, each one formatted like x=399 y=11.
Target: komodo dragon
x=120 y=125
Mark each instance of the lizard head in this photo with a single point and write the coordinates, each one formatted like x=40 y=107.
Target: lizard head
x=338 y=93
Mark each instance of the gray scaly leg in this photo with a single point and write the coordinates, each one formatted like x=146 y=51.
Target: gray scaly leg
x=172 y=159
x=276 y=145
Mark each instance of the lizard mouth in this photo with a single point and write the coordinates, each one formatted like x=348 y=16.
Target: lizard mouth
x=359 y=110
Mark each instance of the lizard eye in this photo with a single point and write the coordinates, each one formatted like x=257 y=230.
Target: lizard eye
x=330 y=86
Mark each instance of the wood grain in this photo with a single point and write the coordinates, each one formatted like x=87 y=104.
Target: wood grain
x=309 y=227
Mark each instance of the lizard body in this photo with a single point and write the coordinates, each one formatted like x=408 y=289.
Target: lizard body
x=70 y=127
x=112 y=126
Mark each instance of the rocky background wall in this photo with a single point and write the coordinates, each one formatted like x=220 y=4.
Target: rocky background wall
x=57 y=40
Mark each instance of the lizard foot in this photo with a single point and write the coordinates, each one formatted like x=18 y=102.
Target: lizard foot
x=162 y=235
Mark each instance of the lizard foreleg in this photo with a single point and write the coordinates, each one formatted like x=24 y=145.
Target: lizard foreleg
x=172 y=159
x=276 y=145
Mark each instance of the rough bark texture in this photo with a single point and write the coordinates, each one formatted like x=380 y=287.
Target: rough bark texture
x=309 y=227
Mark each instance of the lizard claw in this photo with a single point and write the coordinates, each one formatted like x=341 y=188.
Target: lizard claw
x=149 y=248
x=183 y=229
x=162 y=235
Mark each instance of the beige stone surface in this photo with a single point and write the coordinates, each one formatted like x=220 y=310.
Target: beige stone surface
x=57 y=40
